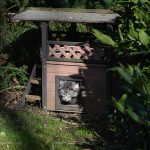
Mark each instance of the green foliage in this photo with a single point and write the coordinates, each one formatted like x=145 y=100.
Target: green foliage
x=64 y=3
x=12 y=76
x=132 y=110
x=134 y=28
x=104 y=38
x=133 y=37
x=144 y=38
x=137 y=41
x=135 y=102
x=10 y=31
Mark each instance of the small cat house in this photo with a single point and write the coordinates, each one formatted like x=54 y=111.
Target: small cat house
x=74 y=74
x=76 y=77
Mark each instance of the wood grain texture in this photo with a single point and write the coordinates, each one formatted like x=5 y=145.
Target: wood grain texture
x=75 y=70
x=51 y=100
x=95 y=87
x=94 y=80
x=27 y=88
x=76 y=64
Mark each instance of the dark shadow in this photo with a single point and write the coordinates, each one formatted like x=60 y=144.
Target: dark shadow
x=26 y=49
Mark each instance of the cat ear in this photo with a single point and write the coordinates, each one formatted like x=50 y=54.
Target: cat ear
x=61 y=83
x=76 y=86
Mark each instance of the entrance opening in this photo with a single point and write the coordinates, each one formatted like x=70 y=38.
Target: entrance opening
x=69 y=93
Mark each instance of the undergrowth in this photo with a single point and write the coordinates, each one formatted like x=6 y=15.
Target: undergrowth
x=12 y=76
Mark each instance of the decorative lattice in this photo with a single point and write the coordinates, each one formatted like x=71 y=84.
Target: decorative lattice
x=82 y=52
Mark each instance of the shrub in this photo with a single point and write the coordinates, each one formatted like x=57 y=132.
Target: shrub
x=12 y=76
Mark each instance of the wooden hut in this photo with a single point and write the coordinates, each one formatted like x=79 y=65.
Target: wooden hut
x=70 y=63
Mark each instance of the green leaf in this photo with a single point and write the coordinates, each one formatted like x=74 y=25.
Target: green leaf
x=123 y=73
x=104 y=38
x=120 y=104
x=130 y=69
x=133 y=33
x=120 y=33
x=143 y=1
x=147 y=87
x=134 y=1
x=144 y=38
x=138 y=78
x=133 y=115
x=123 y=98
x=120 y=52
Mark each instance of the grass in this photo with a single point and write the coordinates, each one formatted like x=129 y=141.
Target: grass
x=34 y=130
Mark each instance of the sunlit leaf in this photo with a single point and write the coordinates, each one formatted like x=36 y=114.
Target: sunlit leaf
x=120 y=33
x=133 y=33
x=134 y=1
x=144 y=38
x=104 y=38
x=119 y=105
x=143 y=1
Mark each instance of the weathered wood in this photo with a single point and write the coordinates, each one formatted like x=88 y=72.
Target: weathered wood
x=75 y=52
x=35 y=81
x=74 y=64
x=75 y=70
x=76 y=60
x=96 y=81
x=66 y=43
x=70 y=15
x=32 y=97
x=44 y=26
x=82 y=64
x=51 y=103
x=28 y=86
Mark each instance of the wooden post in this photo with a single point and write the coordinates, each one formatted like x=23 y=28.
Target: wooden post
x=44 y=27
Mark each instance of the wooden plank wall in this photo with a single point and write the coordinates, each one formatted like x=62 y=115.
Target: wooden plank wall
x=94 y=81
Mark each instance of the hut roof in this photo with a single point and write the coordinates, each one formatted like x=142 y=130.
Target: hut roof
x=66 y=15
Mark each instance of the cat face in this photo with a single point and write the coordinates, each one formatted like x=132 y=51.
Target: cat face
x=68 y=90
